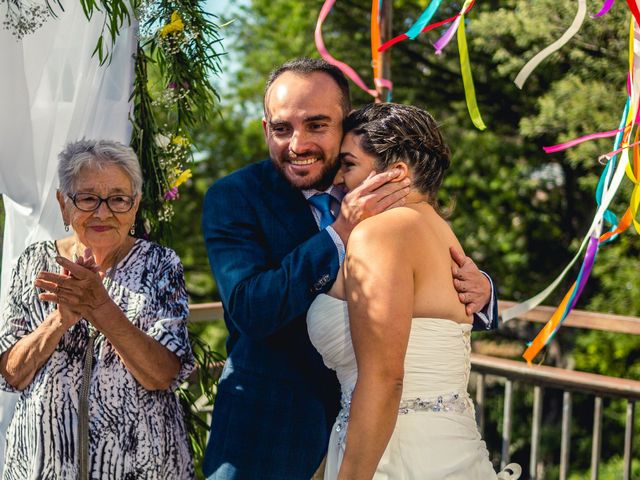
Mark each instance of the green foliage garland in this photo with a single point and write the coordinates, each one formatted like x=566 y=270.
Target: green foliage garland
x=180 y=48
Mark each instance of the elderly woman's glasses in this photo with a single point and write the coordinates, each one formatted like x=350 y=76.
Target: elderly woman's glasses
x=88 y=202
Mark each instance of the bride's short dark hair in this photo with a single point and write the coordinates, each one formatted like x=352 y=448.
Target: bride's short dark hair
x=392 y=133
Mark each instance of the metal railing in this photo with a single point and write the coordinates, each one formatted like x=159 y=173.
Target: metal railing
x=540 y=378
x=569 y=381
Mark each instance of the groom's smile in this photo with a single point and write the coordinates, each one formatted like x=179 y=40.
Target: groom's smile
x=302 y=162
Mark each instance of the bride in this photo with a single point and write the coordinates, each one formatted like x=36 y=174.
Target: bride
x=392 y=326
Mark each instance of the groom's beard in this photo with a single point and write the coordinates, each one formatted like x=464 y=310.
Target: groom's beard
x=320 y=181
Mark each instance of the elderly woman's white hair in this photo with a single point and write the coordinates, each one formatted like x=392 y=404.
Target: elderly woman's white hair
x=97 y=154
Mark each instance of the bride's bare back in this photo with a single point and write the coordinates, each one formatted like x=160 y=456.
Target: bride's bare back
x=434 y=293
x=426 y=238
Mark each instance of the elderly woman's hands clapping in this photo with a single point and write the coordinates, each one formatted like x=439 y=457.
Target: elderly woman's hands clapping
x=79 y=289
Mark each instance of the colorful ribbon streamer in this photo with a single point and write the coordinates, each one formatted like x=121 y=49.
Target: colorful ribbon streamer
x=549 y=330
x=376 y=61
x=607 y=187
x=605 y=178
x=634 y=10
x=557 y=45
x=375 y=38
x=607 y=197
x=346 y=69
x=444 y=40
x=448 y=35
x=467 y=79
x=423 y=20
x=545 y=335
x=572 y=143
x=404 y=36
x=375 y=50
x=606 y=6
x=572 y=296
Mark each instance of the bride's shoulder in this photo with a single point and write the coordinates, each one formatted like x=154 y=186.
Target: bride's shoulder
x=389 y=226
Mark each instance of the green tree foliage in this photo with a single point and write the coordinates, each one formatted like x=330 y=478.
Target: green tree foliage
x=519 y=212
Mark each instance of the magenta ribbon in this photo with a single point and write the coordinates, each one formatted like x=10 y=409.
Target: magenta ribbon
x=576 y=141
x=615 y=152
x=606 y=6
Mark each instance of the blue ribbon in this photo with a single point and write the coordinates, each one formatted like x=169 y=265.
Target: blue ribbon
x=609 y=216
x=424 y=19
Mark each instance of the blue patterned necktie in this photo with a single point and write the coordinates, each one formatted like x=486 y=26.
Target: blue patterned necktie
x=322 y=201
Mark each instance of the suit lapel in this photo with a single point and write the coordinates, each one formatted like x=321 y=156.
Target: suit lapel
x=288 y=205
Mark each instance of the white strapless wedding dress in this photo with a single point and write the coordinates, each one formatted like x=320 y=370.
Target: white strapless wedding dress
x=435 y=436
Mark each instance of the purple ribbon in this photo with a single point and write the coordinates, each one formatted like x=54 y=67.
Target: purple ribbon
x=585 y=271
x=583 y=277
x=448 y=35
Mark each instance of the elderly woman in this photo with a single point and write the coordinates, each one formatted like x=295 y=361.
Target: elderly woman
x=94 y=337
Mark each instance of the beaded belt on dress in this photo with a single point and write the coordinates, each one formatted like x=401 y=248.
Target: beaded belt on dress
x=452 y=402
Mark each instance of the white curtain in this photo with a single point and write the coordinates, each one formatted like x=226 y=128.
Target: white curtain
x=51 y=92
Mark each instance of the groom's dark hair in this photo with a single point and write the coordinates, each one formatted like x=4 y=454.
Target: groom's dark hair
x=307 y=66
x=392 y=133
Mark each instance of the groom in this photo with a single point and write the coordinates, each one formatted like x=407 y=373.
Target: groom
x=274 y=245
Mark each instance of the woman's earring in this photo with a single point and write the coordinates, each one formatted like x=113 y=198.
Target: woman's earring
x=133 y=229
x=66 y=227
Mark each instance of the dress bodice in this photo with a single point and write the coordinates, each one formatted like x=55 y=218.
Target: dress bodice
x=435 y=436
x=437 y=359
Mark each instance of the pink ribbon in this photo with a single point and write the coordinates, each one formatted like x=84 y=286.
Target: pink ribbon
x=615 y=152
x=384 y=83
x=576 y=141
x=346 y=69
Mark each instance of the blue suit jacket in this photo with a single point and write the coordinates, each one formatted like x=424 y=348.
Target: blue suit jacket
x=276 y=400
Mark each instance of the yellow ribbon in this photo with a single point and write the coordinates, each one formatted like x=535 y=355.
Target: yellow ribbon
x=467 y=79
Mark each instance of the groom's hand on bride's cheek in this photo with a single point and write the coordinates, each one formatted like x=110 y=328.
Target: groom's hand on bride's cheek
x=473 y=286
x=377 y=193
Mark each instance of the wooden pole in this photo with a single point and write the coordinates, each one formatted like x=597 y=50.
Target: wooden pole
x=386 y=21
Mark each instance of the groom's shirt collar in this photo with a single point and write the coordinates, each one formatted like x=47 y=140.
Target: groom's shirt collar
x=335 y=191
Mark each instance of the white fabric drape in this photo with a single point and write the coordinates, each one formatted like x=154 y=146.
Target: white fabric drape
x=51 y=92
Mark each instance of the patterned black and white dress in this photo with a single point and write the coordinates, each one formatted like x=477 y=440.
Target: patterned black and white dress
x=133 y=433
